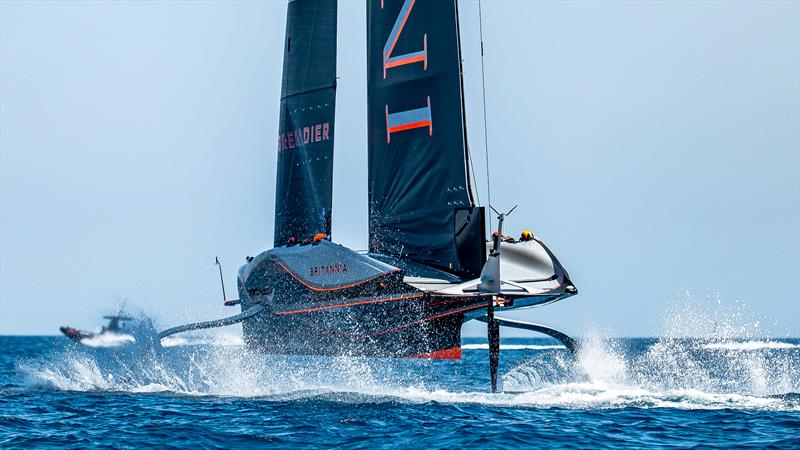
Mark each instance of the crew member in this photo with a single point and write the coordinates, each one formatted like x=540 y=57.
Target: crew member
x=504 y=237
x=526 y=236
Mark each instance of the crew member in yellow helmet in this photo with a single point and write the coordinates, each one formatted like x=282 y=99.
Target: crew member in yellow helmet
x=526 y=235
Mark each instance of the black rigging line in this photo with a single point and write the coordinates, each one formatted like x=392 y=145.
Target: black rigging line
x=485 y=127
x=467 y=154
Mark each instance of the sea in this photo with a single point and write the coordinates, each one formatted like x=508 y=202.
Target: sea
x=211 y=392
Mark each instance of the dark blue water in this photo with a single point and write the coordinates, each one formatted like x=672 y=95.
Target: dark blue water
x=205 y=392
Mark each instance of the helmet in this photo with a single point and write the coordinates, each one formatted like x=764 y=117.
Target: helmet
x=526 y=235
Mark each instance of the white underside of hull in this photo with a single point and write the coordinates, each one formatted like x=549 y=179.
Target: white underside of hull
x=526 y=269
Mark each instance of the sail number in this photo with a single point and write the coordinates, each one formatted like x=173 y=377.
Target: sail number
x=413 y=118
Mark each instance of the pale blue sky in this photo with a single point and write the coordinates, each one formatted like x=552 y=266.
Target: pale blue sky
x=653 y=146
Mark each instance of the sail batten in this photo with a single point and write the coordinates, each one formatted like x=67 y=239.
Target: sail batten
x=303 y=195
x=420 y=192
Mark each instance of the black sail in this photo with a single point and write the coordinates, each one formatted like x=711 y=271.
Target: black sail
x=305 y=135
x=421 y=205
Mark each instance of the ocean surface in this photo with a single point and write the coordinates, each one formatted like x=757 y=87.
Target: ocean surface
x=211 y=392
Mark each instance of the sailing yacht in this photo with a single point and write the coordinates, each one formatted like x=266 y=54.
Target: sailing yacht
x=429 y=267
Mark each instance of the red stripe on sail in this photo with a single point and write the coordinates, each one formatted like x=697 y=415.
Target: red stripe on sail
x=410 y=126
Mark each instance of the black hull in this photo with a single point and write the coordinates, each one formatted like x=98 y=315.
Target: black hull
x=421 y=327
x=325 y=299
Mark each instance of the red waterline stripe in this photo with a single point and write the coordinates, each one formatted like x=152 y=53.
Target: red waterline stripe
x=448 y=353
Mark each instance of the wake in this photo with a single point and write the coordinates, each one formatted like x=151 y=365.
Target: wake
x=713 y=371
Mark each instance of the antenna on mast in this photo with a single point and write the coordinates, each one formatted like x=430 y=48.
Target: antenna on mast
x=221 y=280
x=485 y=127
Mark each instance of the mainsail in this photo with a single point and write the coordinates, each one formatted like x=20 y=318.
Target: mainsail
x=305 y=135
x=421 y=205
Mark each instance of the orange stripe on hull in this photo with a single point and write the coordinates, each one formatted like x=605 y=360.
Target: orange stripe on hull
x=335 y=288
x=428 y=318
x=448 y=353
x=342 y=305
